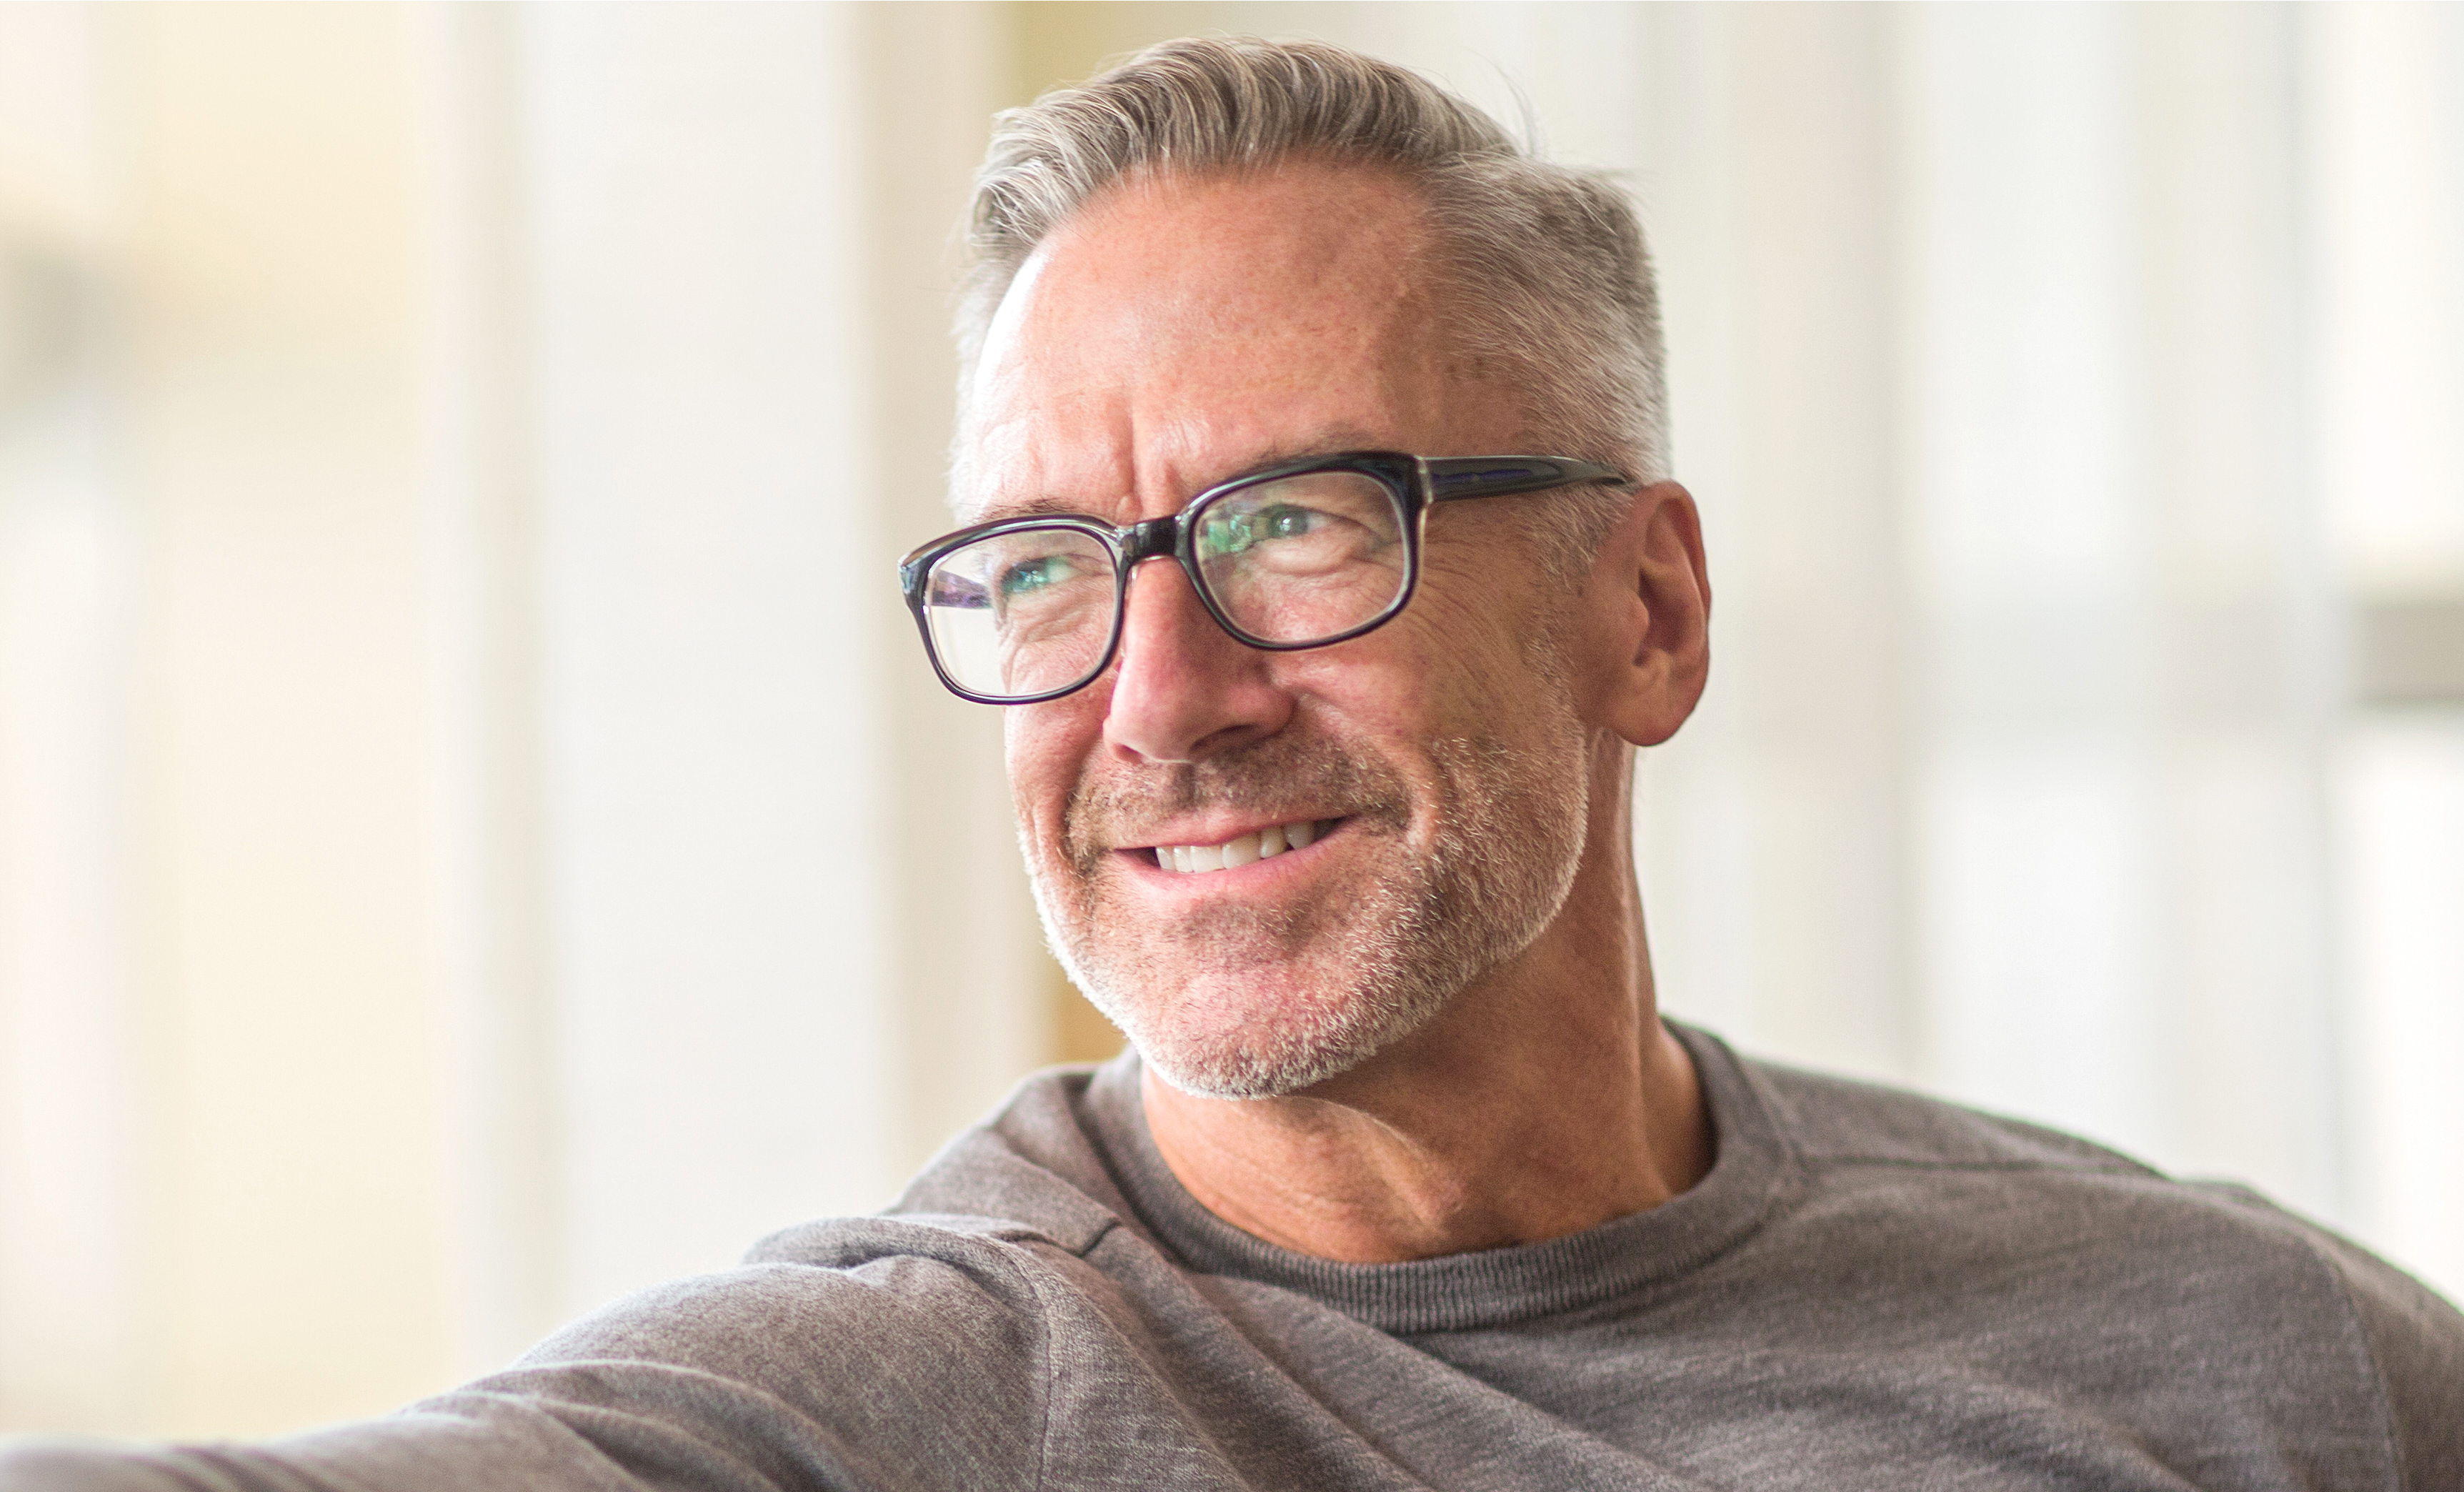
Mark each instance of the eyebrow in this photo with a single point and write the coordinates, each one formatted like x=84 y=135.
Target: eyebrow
x=1031 y=507
x=1331 y=441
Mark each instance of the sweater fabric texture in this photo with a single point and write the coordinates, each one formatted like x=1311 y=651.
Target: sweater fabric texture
x=1868 y=1289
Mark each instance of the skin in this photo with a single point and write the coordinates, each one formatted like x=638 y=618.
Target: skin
x=1178 y=332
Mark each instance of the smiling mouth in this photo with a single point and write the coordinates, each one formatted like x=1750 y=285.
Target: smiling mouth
x=1193 y=859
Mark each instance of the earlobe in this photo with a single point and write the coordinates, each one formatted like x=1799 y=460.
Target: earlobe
x=1650 y=600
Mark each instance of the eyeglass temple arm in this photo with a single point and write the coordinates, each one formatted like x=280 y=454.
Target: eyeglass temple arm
x=1454 y=478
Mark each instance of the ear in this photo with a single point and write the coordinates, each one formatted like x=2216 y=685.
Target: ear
x=1647 y=614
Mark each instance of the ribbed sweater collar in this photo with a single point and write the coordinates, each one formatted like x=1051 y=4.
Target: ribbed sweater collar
x=1752 y=1175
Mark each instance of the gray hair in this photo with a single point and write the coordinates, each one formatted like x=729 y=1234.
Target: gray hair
x=1550 y=281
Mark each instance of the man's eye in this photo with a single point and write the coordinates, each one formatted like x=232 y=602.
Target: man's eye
x=1032 y=575
x=1285 y=521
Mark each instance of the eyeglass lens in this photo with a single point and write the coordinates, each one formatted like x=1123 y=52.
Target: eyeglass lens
x=1289 y=561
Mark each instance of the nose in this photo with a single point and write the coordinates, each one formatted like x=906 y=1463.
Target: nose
x=1183 y=689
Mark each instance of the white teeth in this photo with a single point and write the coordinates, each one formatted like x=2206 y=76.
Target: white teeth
x=1233 y=854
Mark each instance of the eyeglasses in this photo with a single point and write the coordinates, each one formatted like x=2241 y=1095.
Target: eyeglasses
x=1298 y=555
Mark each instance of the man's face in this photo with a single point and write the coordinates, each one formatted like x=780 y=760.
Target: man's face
x=1174 y=335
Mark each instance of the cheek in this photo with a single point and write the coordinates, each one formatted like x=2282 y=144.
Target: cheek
x=1405 y=695
x=1492 y=633
x=1442 y=670
x=1045 y=747
x=1381 y=687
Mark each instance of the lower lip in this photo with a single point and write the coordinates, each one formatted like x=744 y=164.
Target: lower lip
x=1143 y=862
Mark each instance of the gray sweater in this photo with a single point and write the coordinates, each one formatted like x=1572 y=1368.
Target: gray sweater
x=1868 y=1290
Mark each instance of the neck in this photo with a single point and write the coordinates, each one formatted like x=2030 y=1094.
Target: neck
x=1546 y=1099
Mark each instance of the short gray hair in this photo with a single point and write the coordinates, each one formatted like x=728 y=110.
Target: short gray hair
x=1550 y=280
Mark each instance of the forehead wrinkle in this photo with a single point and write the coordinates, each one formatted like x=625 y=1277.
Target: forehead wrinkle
x=1011 y=451
x=1173 y=491
x=1191 y=378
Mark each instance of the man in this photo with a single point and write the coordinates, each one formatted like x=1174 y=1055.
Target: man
x=1321 y=553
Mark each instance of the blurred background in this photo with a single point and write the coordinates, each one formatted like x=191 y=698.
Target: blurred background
x=477 y=836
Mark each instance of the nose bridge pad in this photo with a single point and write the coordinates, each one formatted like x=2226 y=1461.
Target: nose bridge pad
x=1153 y=539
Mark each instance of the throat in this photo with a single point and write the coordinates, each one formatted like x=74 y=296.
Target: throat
x=1330 y=1175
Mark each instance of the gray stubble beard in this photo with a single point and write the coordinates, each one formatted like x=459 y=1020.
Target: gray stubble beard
x=1508 y=839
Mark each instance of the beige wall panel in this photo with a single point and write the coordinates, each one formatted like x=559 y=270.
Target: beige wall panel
x=73 y=1304
x=974 y=988
x=274 y=445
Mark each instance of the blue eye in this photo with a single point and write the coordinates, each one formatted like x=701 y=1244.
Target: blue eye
x=1038 y=574
x=1238 y=533
x=1283 y=520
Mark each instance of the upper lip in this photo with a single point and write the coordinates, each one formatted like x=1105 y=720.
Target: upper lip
x=1219 y=830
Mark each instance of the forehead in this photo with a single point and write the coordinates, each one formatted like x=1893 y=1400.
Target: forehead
x=1176 y=332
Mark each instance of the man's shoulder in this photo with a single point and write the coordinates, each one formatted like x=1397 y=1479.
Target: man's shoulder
x=1023 y=1183
x=2042 y=1233
x=1913 y=1155
x=1032 y=1168
x=1897 y=1166
x=1845 y=1121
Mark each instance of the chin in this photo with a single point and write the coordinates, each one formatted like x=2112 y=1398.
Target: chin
x=1235 y=1045
x=1218 y=1025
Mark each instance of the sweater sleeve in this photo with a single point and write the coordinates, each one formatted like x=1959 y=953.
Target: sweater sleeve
x=2417 y=1341
x=902 y=1371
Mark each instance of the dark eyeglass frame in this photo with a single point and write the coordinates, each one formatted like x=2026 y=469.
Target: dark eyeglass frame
x=1415 y=483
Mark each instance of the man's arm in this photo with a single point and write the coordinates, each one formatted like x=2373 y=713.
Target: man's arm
x=901 y=1371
